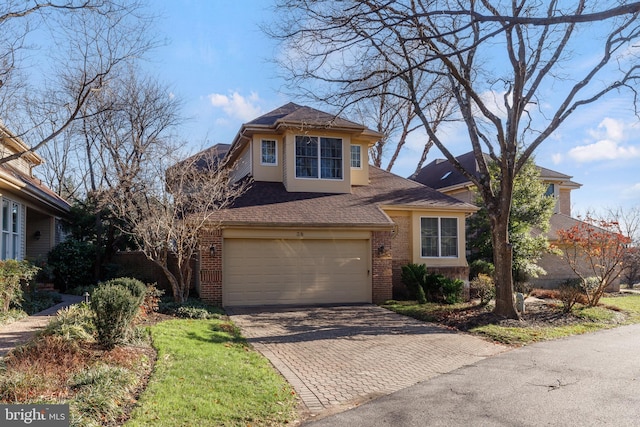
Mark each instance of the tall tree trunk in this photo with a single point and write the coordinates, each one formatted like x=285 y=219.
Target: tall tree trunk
x=503 y=260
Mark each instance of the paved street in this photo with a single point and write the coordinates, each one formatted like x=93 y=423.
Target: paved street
x=586 y=380
x=338 y=357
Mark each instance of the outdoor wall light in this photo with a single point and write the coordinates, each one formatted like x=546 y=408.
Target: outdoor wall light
x=381 y=250
x=37 y=235
x=212 y=250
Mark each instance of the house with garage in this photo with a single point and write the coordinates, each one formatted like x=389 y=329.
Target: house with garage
x=31 y=213
x=319 y=225
x=440 y=174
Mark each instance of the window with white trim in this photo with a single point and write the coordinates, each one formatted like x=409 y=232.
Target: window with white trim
x=11 y=229
x=318 y=157
x=439 y=237
x=268 y=152
x=356 y=157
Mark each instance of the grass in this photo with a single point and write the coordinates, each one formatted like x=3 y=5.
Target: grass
x=207 y=375
x=612 y=312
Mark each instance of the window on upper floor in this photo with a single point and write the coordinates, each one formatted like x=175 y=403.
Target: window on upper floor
x=439 y=237
x=268 y=152
x=356 y=157
x=551 y=190
x=318 y=157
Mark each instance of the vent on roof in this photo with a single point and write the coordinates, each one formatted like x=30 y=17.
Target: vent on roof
x=445 y=176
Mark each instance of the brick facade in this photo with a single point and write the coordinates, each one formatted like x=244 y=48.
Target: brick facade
x=401 y=250
x=381 y=260
x=210 y=288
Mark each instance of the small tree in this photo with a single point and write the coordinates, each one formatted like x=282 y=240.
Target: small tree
x=594 y=248
x=164 y=210
x=531 y=210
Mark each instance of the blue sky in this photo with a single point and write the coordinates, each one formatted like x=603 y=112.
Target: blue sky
x=218 y=61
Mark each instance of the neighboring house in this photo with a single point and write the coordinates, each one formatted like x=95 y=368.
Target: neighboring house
x=30 y=212
x=319 y=224
x=441 y=175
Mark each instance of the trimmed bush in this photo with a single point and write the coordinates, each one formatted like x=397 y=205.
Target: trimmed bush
x=114 y=307
x=421 y=296
x=135 y=286
x=452 y=290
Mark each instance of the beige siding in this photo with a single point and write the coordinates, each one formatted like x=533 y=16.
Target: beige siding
x=38 y=222
x=296 y=271
x=270 y=173
x=360 y=176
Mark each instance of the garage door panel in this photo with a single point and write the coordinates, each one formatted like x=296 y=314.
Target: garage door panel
x=279 y=271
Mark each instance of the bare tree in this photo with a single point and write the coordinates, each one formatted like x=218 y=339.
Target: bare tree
x=501 y=60
x=629 y=222
x=56 y=55
x=165 y=213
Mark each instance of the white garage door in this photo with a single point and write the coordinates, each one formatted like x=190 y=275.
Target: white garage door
x=287 y=271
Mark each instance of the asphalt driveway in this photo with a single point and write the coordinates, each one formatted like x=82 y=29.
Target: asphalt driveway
x=339 y=357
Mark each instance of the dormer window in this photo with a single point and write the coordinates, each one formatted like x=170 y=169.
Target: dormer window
x=356 y=157
x=268 y=152
x=318 y=157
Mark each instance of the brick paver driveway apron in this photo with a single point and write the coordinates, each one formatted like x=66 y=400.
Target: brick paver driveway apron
x=343 y=355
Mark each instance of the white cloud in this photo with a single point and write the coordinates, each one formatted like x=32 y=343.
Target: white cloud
x=237 y=106
x=557 y=158
x=609 y=143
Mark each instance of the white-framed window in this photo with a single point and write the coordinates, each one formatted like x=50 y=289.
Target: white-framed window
x=551 y=190
x=10 y=245
x=318 y=157
x=268 y=152
x=439 y=237
x=356 y=157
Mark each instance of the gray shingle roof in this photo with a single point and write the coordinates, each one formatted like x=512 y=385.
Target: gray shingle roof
x=298 y=114
x=268 y=203
x=440 y=173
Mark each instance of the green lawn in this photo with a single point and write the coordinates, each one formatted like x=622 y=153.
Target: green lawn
x=612 y=312
x=207 y=375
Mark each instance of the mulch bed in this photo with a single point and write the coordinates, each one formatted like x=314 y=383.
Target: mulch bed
x=537 y=313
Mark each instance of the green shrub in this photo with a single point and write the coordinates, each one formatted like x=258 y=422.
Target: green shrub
x=481 y=266
x=421 y=296
x=114 y=307
x=72 y=262
x=482 y=287
x=135 y=286
x=191 y=309
x=433 y=286
x=12 y=273
x=452 y=290
x=571 y=292
x=413 y=276
x=37 y=301
x=73 y=323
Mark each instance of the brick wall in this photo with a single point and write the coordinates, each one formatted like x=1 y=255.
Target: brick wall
x=211 y=266
x=558 y=271
x=381 y=266
x=401 y=249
